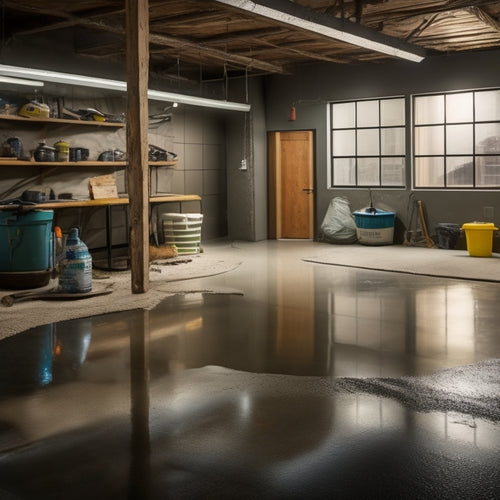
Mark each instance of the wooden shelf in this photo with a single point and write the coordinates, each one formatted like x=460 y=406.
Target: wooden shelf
x=94 y=163
x=54 y=205
x=21 y=163
x=61 y=121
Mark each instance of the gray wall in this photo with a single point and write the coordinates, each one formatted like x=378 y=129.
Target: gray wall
x=314 y=85
x=247 y=189
x=200 y=141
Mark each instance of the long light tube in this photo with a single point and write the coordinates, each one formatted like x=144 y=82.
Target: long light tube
x=158 y=95
x=89 y=81
x=302 y=17
x=20 y=81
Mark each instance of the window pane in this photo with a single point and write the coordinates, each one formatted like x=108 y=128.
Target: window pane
x=392 y=112
x=459 y=139
x=393 y=171
x=344 y=143
x=429 y=172
x=393 y=141
x=488 y=171
x=344 y=172
x=487 y=105
x=357 y=139
x=488 y=138
x=459 y=108
x=429 y=140
x=368 y=142
x=459 y=171
x=368 y=172
x=343 y=115
x=368 y=114
x=429 y=109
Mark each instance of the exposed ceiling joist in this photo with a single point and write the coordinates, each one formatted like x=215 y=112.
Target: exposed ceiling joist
x=485 y=18
x=208 y=38
x=289 y=13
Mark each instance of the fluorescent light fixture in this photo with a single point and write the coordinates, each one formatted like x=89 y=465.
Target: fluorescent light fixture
x=302 y=17
x=20 y=81
x=89 y=81
x=157 y=95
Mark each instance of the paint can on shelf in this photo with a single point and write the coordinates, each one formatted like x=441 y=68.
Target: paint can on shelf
x=62 y=151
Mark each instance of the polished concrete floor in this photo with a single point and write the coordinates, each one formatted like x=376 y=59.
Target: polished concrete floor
x=229 y=395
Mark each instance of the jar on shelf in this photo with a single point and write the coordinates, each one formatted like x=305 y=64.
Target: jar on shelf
x=62 y=150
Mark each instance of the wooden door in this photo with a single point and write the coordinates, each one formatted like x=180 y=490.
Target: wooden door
x=291 y=186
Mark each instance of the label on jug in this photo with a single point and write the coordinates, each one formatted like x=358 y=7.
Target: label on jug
x=76 y=276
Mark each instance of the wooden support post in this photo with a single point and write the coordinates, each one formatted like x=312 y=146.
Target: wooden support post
x=137 y=33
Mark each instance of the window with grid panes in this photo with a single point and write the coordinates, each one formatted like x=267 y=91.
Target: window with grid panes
x=456 y=140
x=368 y=143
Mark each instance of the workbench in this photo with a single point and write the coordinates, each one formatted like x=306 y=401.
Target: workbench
x=108 y=204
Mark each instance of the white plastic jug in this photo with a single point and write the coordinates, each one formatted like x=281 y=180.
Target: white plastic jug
x=76 y=273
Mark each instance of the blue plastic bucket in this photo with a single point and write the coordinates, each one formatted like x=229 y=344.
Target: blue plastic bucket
x=375 y=226
x=25 y=241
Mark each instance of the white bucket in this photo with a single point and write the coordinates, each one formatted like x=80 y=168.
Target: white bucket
x=183 y=231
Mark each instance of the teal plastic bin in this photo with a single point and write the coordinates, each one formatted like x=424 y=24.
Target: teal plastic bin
x=25 y=241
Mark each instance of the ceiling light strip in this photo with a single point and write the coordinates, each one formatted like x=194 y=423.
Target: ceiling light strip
x=20 y=81
x=337 y=29
x=102 y=83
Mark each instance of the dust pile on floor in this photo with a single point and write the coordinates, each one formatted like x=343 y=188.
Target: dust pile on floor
x=471 y=389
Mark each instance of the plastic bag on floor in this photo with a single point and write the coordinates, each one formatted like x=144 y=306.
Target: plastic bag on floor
x=338 y=226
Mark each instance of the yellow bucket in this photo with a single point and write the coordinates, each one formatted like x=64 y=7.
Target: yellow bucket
x=479 y=236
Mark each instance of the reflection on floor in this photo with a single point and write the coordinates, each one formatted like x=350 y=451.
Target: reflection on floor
x=233 y=396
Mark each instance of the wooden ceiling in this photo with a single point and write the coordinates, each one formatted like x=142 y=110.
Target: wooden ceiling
x=207 y=39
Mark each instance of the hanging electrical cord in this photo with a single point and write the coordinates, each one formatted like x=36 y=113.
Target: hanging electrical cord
x=226 y=83
x=246 y=84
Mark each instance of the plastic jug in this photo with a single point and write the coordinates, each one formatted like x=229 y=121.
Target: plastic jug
x=76 y=273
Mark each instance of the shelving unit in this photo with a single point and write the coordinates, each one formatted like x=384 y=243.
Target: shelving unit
x=61 y=121
x=18 y=122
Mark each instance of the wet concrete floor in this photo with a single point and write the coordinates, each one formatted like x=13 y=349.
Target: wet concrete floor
x=232 y=394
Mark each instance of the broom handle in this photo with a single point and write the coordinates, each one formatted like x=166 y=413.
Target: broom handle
x=428 y=239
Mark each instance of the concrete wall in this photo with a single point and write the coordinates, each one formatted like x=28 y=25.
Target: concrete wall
x=247 y=188
x=314 y=86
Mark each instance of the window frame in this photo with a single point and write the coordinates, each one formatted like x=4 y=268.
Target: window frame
x=446 y=157
x=360 y=158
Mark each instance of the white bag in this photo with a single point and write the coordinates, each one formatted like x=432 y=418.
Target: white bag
x=338 y=226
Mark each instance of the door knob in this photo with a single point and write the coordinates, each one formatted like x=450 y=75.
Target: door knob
x=308 y=190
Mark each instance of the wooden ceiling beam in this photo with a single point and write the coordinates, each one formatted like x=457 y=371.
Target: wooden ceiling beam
x=252 y=35
x=69 y=18
x=405 y=11
x=198 y=18
x=282 y=50
x=484 y=17
x=215 y=54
